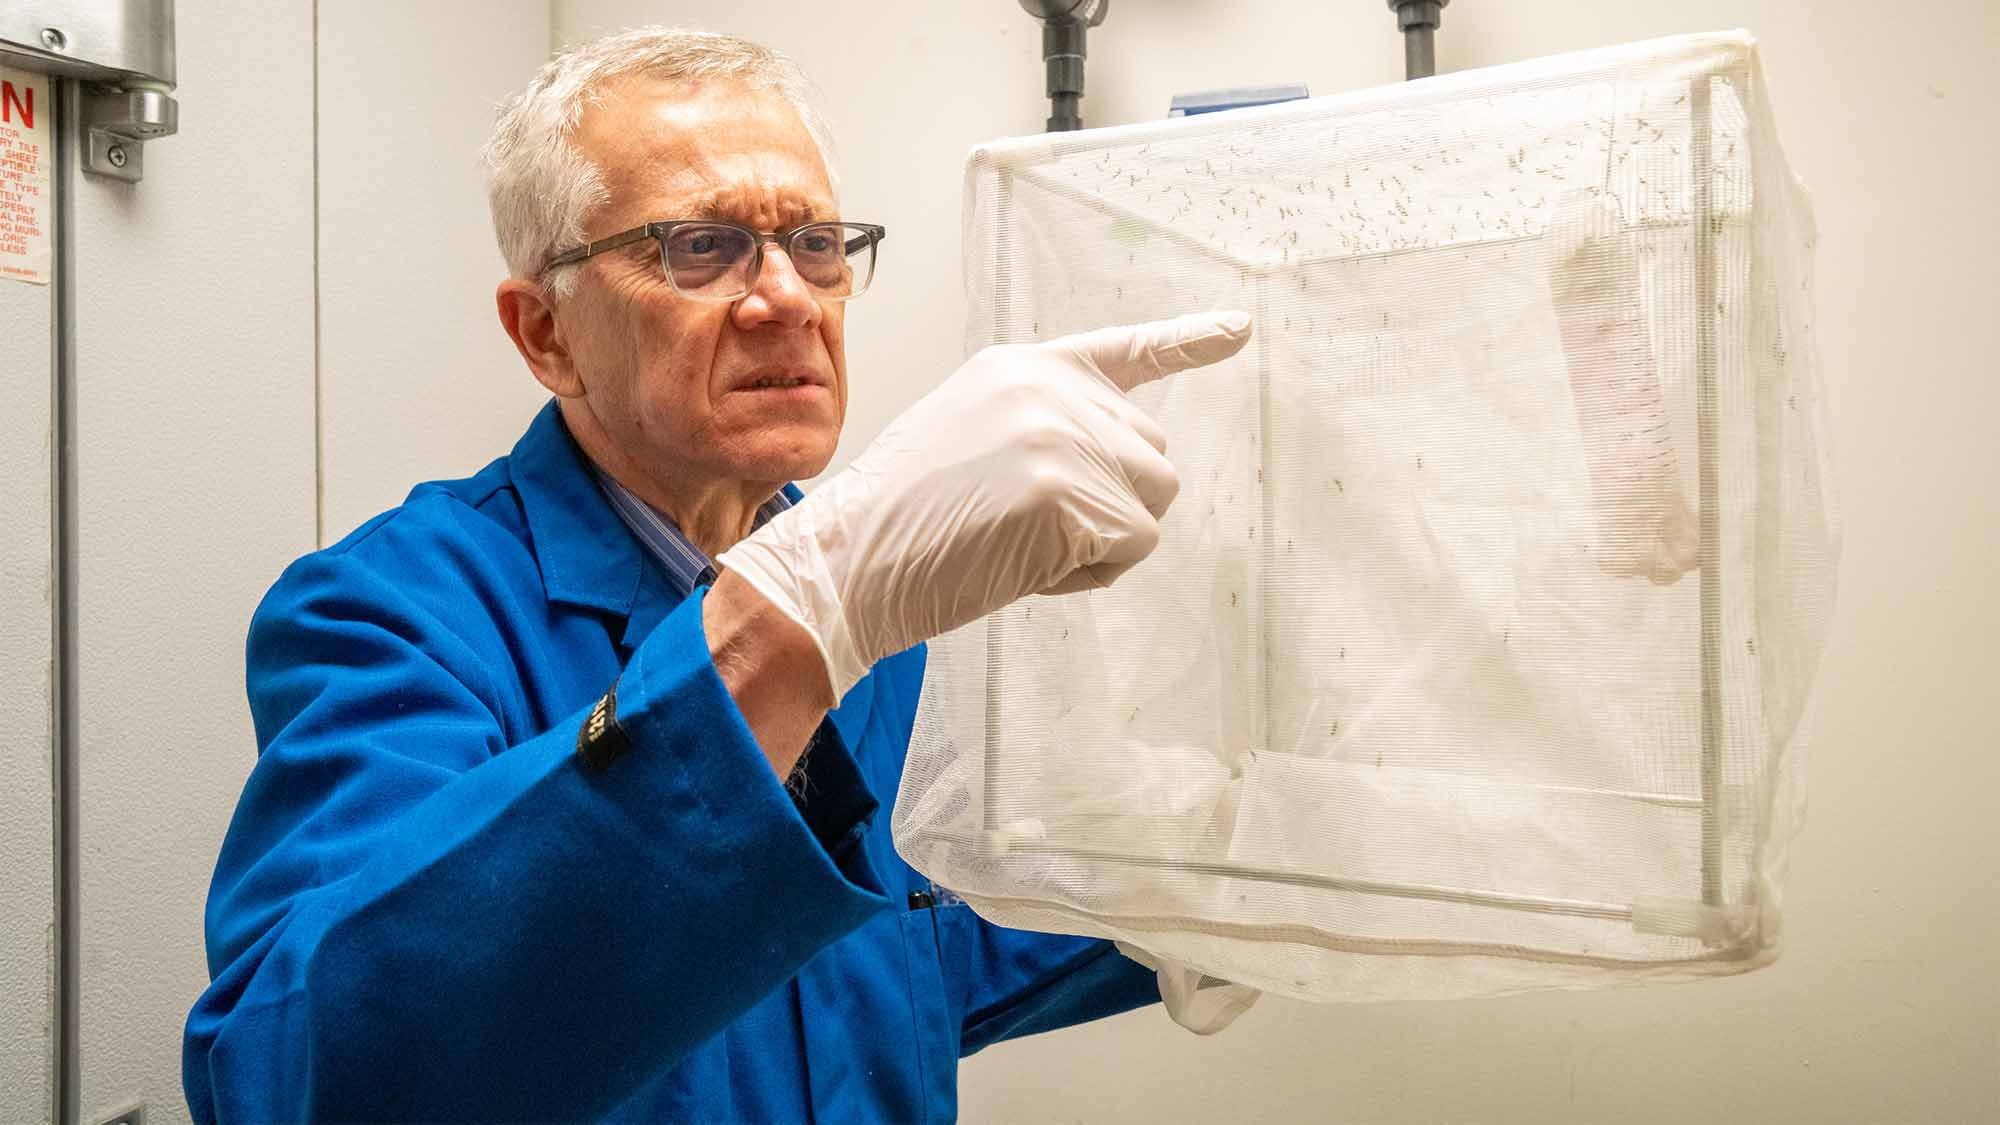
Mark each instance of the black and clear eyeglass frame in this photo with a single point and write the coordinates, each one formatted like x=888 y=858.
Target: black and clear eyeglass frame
x=856 y=241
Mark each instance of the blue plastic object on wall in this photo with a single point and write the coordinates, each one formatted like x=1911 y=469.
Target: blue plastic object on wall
x=1241 y=97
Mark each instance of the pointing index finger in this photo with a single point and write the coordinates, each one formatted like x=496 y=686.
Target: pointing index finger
x=1133 y=355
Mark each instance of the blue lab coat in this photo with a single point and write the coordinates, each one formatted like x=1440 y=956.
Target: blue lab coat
x=427 y=908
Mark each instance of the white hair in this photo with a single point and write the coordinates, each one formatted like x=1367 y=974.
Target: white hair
x=540 y=188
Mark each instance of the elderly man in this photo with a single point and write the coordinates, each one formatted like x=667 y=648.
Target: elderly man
x=555 y=818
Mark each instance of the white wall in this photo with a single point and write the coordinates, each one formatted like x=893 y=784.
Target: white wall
x=417 y=381
x=27 y=905
x=1884 y=1005
x=195 y=464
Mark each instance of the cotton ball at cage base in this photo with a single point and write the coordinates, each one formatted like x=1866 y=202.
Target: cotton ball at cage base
x=1475 y=654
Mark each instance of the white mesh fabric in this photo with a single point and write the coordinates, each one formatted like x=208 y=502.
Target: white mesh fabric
x=1475 y=653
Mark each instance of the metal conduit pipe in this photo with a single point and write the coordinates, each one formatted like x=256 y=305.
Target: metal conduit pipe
x=1419 y=21
x=1064 y=23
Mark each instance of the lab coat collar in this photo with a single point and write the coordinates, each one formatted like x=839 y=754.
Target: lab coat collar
x=588 y=556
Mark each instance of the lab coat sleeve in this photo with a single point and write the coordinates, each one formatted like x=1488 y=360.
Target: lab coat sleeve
x=1029 y=983
x=1006 y=983
x=412 y=919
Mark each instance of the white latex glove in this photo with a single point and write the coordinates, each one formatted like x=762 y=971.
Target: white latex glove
x=1026 y=472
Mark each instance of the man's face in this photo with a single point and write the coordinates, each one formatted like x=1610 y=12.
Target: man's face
x=671 y=380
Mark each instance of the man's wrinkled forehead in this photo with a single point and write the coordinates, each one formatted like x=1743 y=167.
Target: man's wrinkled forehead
x=759 y=205
x=716 y=150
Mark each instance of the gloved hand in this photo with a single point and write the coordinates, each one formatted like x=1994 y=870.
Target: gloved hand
x=1026 y=472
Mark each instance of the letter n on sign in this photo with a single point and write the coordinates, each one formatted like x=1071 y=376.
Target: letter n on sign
x=17 y=103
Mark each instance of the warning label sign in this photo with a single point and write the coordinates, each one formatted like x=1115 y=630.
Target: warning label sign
x=25 y=203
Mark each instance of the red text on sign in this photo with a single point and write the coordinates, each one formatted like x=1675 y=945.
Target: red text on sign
x=19 y=100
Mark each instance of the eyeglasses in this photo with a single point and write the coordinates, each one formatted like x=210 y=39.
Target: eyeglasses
x=714 y=261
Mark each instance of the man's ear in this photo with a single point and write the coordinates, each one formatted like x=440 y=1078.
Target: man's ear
x=530 y=320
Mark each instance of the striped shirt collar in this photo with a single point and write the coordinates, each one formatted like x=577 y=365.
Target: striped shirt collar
x=685 y=564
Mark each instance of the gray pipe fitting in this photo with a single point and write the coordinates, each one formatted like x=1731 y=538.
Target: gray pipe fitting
x=1419 y=20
